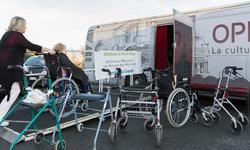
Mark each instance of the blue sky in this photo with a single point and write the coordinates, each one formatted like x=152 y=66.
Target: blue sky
x=67 y=21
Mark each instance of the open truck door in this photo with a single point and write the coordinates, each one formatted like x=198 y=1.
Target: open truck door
x=183 y=46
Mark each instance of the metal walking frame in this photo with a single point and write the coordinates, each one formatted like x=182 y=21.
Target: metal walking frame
x=147 y=106
x=14 y=137
x=86 y=98
x=211 y=114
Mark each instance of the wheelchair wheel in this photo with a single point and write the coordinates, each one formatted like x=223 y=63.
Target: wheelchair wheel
x=61 y=87
x=41 y=84
x=193 y=118
x=178 y=107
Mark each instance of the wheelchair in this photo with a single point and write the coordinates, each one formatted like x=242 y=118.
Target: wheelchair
x=61 y=77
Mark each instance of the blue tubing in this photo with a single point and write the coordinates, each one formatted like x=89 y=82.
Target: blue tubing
x=90 y=97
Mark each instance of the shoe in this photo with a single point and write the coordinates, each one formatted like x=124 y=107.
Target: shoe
x=4 y=124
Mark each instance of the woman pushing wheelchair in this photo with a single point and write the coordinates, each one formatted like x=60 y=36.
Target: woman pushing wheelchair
x=13 y=46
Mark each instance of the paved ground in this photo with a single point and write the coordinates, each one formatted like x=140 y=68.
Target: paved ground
x=189 y=137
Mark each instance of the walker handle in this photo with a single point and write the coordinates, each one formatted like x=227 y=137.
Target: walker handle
x=106 y=70
x=118 y=73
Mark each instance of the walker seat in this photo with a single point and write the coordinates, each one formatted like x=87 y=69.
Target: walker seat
x=90 y=97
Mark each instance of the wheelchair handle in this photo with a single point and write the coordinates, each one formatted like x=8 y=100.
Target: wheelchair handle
x=18 y=67
x=147 y=69
x=35 y=67
x=44 y=53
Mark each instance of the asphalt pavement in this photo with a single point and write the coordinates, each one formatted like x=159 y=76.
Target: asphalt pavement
x=191 y=136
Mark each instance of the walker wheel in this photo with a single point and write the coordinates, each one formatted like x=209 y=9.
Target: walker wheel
x=38 y=138
x=80 y=127
x=148 y=125
x=193 y=118
x=216 y=116
x=58 y=146
x=236 y=127
x=244 y=121
x=122 y=122
x=113 y=132
x=207 y=120
x=158 y=133
x=84 y=106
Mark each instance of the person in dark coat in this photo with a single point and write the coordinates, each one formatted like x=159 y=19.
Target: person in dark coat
x=78 y=74
x=13 y=46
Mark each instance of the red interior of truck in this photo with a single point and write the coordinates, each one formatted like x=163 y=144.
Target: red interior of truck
x=161 y=53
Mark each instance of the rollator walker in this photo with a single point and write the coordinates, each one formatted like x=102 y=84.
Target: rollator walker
x=36 y=111
x=146 y=106
x=211 y=113
x=68 y=95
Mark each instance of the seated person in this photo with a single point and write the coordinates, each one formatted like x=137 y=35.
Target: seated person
x=78 y=74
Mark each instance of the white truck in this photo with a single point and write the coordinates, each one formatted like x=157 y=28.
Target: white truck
x=199 y=44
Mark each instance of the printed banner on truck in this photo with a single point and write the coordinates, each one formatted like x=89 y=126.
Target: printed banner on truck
x=128 y=61
x=222 y=39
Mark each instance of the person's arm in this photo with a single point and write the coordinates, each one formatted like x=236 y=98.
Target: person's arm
x=21 y=40
x=51 y=51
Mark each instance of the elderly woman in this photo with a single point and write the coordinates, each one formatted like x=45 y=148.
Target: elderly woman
x=78 y=74
x=13 y=46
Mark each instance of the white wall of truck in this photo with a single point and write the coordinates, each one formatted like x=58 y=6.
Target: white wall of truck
x=221 y=38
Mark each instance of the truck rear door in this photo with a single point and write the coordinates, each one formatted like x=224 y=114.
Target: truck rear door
x=183 y=45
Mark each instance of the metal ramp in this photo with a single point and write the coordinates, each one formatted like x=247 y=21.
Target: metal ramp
x=9 y=134
x=67 y=124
